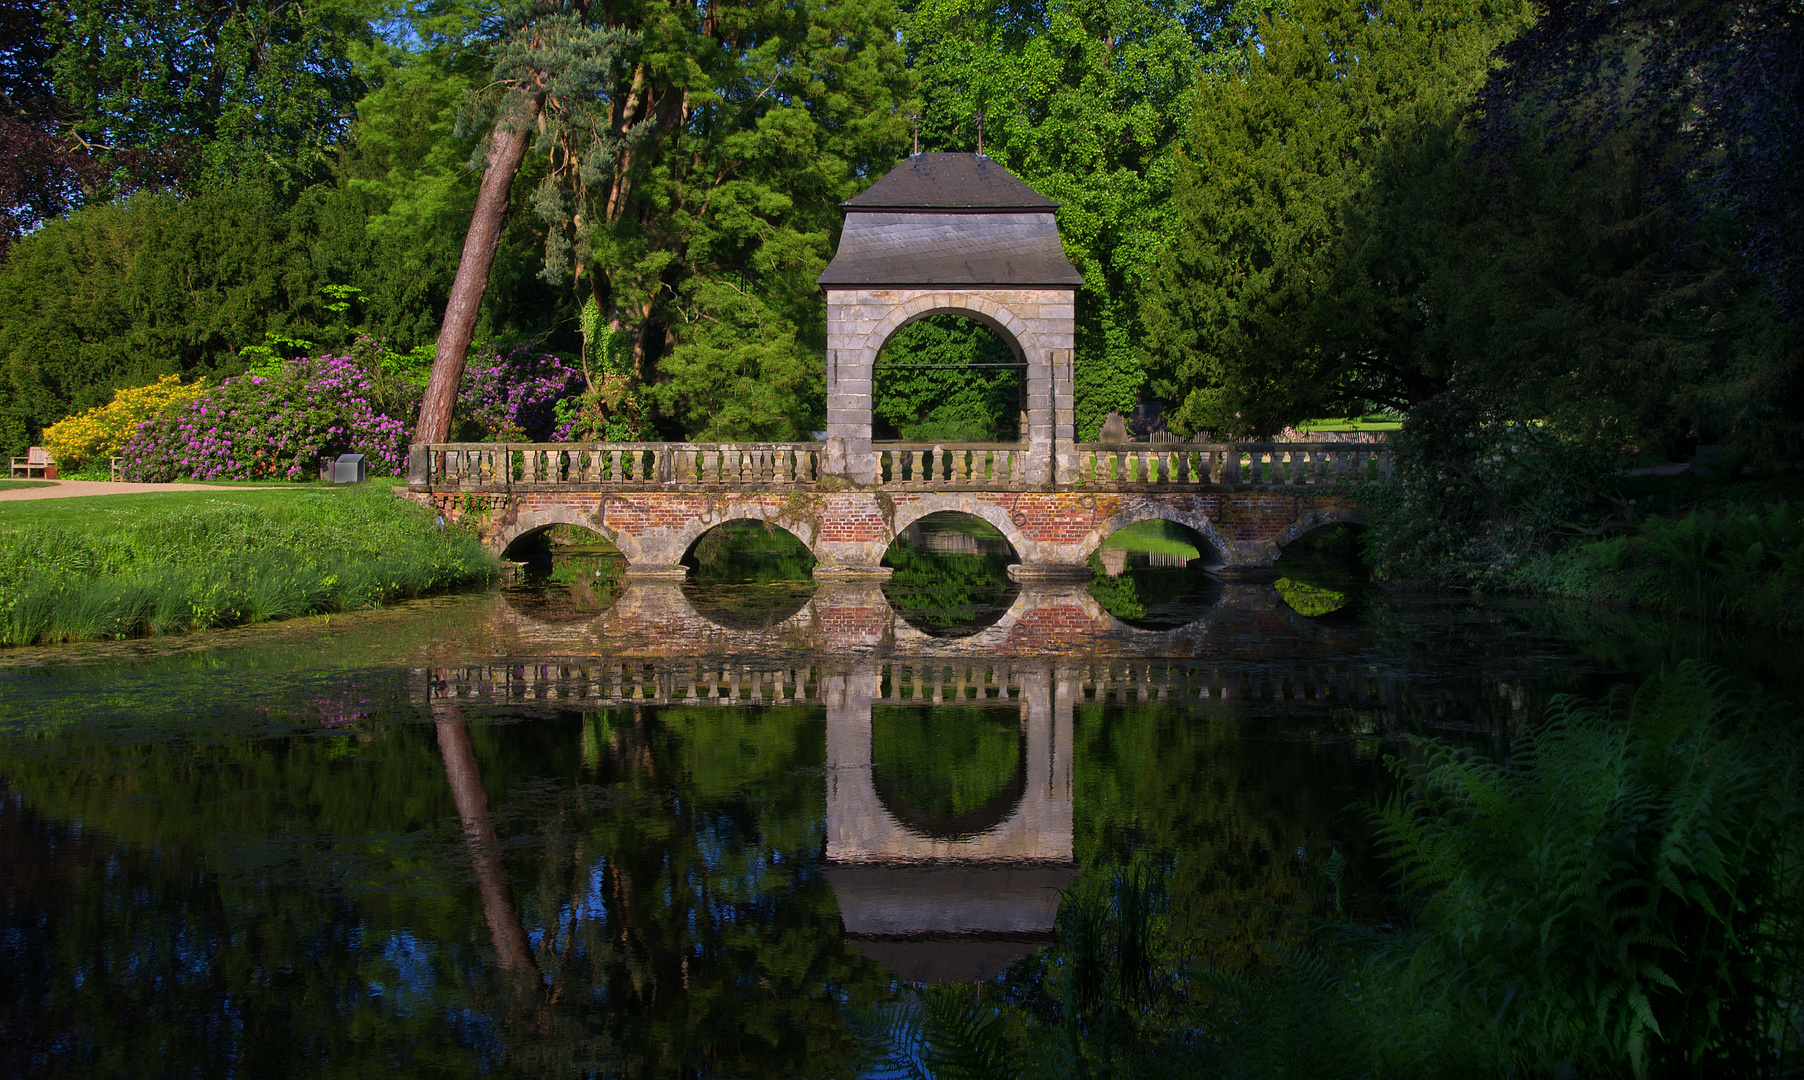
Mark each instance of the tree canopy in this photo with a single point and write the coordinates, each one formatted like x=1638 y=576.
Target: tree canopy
x=1570 y=212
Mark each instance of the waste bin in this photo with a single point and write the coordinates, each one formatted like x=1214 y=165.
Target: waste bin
x=348 y=469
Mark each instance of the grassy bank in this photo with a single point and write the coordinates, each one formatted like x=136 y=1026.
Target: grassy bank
x=1720 y=552
x=132 y=565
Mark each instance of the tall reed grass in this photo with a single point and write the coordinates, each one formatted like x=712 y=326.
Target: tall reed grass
x=212 y=562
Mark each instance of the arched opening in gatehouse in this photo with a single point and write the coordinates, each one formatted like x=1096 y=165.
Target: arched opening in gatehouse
x=748 y=574
x=1323 y=572
x=949 y=574
x=564 y=573
x=948 y=378
x=948 y=772
x=1154 y=574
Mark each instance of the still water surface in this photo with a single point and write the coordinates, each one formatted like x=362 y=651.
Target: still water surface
x=579 y=827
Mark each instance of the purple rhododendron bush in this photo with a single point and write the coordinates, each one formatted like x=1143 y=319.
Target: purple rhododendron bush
x=513 y=397
x=279 y=420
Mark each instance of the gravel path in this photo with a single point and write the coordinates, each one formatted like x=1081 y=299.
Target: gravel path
x=66 y=489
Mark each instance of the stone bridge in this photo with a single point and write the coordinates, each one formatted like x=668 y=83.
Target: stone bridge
x=938 y=235
x=655 y=500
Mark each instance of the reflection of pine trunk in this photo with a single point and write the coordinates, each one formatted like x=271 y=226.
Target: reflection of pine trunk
x=506 y=150
x=461 y=770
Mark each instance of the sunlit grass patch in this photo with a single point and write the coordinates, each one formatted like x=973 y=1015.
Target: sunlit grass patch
x=127 y=566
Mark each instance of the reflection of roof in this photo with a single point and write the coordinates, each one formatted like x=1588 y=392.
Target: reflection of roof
x=959 y=958
x=948 y=921
x=948 y=182
x=950 y=219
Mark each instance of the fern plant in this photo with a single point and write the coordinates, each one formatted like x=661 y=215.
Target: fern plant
x=1604 y=894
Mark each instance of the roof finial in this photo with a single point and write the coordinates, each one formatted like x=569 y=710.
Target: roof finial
x=980 y=133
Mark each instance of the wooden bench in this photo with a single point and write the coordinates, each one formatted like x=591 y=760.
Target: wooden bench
x=36 y=460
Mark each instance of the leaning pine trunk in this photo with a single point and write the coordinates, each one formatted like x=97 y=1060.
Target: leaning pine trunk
x=506 y=151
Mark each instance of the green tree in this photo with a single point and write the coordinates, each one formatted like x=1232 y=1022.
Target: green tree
x=1240 y=315
x=958 y=402
x=703 y=245
x=1085 y=101
x=193 y=90
x=122 y=293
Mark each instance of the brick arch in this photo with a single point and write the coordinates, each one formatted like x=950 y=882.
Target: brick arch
x=1312 y=520
x=684 y=540
x=1156 y=511
x=531 y=523
x=921 y=506
x=1007 y=325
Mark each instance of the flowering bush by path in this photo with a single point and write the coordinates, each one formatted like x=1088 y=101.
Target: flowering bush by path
x=102 y=430
x=277 y=425
x=278 y=420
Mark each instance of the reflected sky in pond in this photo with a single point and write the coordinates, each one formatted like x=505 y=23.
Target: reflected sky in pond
x=500 y=834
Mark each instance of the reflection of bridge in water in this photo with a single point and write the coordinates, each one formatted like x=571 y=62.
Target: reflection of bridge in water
x=657 y=618
x=935 y=898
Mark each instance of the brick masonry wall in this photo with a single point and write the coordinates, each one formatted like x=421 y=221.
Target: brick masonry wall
x=849 y=531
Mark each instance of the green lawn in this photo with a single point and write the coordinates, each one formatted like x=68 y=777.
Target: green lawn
x=88 y=511
x=1362 y=424
x=112 y=566
x=9 y=485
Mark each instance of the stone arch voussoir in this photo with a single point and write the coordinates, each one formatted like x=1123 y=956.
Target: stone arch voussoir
x=684 y=538
x=1311 y=520
x=915 y=509
x=1013 y=331
x=1157 y=511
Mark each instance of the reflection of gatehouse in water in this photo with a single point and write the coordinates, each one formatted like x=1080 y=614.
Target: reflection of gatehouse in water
x=935 y=896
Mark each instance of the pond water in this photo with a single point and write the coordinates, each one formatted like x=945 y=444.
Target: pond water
x=591 y=827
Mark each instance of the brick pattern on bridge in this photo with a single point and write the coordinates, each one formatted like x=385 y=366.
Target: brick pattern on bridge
x=850 y=530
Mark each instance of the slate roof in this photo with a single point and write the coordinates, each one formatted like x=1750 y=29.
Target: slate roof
x=949 y=182
x=950 y=219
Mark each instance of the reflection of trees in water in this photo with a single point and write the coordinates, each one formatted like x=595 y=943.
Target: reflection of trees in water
x=1323 y=571
x=1152 y=597
x=1142 y=576
x=746 y=575
x=654 y=895
x=948 y=772
x=950 y=574
x=948 y=595
x=568 y=574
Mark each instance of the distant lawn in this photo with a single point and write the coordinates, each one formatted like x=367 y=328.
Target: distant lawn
x=1367 y=424
x=9 y=485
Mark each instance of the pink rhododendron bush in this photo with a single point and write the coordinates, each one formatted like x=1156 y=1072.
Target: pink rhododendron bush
x=278 y=420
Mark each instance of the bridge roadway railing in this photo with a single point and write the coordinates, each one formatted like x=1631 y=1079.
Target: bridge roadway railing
x=940 y=466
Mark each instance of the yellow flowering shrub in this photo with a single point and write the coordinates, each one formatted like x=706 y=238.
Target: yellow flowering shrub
x=102 y=430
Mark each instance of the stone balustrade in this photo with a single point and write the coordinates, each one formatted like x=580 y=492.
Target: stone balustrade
x=985 y=466
x=583 y=466
x=1135 y=466
x=491 y=467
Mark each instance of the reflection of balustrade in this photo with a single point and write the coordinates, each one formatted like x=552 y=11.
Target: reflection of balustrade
x=900 y=466
x=589 y=682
